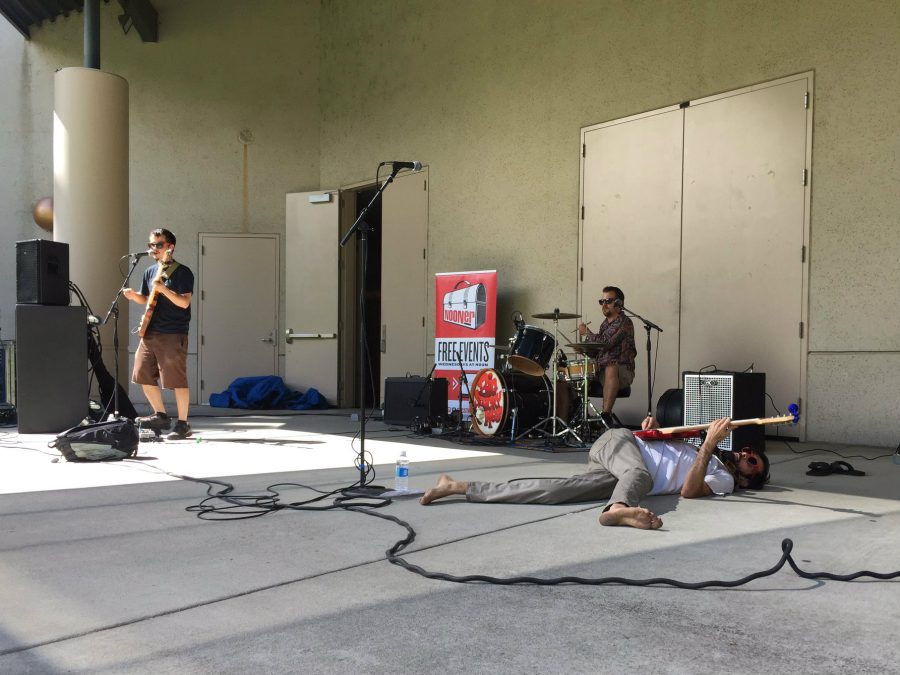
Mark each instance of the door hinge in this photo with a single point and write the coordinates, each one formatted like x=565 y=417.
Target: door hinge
x=805 y=176
x=202 y=295
x=799 y=404
x=202 y=384
x=582 y=211
x=803 y=254
x=383 y=338
x=801 y=329
x=202 y=340
x=423 y=322
x=583 y=150
x=581 y=273
x=202 y=250
x=425 y=185
x=423 y=254
x=806 y=100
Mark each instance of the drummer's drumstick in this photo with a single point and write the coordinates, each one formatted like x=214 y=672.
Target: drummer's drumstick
x=576 y=330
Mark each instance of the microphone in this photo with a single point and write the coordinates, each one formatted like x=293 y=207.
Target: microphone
x=138 y=256
x=415 y=165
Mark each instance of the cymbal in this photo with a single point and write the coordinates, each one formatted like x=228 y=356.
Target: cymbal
x=586 y=347
x=556 y=315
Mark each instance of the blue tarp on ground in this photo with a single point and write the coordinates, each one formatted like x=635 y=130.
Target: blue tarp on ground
x=267 y=392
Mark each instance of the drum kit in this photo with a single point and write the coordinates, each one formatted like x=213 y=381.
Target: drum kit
x=520 y=400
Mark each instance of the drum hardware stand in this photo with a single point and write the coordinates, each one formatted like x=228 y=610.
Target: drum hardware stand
x=463 y=380
x=589 y=414
x=361 y=228
x=648 y=326
x=565 y=429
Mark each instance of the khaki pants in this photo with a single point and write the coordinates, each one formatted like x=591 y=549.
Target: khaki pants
x=615 y=471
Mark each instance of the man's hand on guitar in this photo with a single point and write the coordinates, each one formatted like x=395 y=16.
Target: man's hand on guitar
x=717 y=431
x=649 y=423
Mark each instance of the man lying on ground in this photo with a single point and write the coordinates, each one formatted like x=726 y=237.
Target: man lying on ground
x=624 y=469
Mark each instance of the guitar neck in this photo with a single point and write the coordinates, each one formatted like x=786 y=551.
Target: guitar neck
x=151 y=299
x=734 y=423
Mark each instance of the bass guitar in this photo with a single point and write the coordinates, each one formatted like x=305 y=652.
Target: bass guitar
x=152 y=298
x=695 y=430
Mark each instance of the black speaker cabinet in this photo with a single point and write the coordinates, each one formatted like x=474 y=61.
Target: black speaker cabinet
x=408 y=398
x=709 y=396
x=51 y=368
x=42 y=272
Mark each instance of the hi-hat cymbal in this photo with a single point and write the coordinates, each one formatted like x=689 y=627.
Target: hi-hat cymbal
x=556 y=314
x=585 y=347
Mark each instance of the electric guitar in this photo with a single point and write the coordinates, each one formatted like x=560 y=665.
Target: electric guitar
x=151 y=299
x=693 y=431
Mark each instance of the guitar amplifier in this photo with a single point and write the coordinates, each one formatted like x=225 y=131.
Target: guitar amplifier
x=710 y=396
x=408 y=398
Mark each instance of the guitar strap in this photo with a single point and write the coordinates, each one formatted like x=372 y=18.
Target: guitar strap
x=170 y=269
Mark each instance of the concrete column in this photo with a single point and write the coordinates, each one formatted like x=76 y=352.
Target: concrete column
x=90 y=189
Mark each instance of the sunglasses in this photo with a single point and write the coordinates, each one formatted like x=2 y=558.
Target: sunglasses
x=606 y=301
x=157 y=245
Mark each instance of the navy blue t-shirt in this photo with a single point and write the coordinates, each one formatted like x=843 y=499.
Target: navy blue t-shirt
x=167 y=317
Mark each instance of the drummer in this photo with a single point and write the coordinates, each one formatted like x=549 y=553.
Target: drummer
x=615 y=363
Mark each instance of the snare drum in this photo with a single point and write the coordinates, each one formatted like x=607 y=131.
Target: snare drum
x=574 y=371
x=494 y=395
x=531 y=350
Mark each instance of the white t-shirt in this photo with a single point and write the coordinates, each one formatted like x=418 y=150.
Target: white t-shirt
x=670 y=461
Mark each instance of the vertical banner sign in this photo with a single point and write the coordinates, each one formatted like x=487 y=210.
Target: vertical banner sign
x=465 y=329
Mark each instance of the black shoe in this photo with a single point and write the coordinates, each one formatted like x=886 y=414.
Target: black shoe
x=182 y=430
x=609 y=420
x=155 y=422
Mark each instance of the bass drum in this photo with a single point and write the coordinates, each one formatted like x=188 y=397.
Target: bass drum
x=494 y=396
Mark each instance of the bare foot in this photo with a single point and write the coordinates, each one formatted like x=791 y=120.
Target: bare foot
x=445 y=487
x=631 y=516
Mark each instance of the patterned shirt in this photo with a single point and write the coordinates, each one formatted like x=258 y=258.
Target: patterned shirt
x=618 y=337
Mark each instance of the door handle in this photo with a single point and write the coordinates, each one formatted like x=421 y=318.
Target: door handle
x=290 y=336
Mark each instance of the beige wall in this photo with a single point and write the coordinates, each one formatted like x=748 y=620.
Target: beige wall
x=492 y=95
x=219 y=67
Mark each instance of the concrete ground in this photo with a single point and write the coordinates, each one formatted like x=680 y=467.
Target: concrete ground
x=103 y=568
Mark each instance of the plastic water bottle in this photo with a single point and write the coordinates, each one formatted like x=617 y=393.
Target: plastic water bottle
x=401 y=473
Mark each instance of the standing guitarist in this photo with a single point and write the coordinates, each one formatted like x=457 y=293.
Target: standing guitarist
x=161 y=358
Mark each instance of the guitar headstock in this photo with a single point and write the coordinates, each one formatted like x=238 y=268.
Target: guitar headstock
x=794 y=410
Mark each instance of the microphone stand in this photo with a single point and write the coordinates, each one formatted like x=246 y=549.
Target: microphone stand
x=463 y=380
x=113 y=311
x=648 y=326
x=362 y=228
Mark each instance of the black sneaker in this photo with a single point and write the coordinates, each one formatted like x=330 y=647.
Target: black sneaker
x=609 y=420
x=181 y=430
x=155 y=422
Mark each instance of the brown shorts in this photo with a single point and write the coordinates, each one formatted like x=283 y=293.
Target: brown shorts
x=162 y=356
